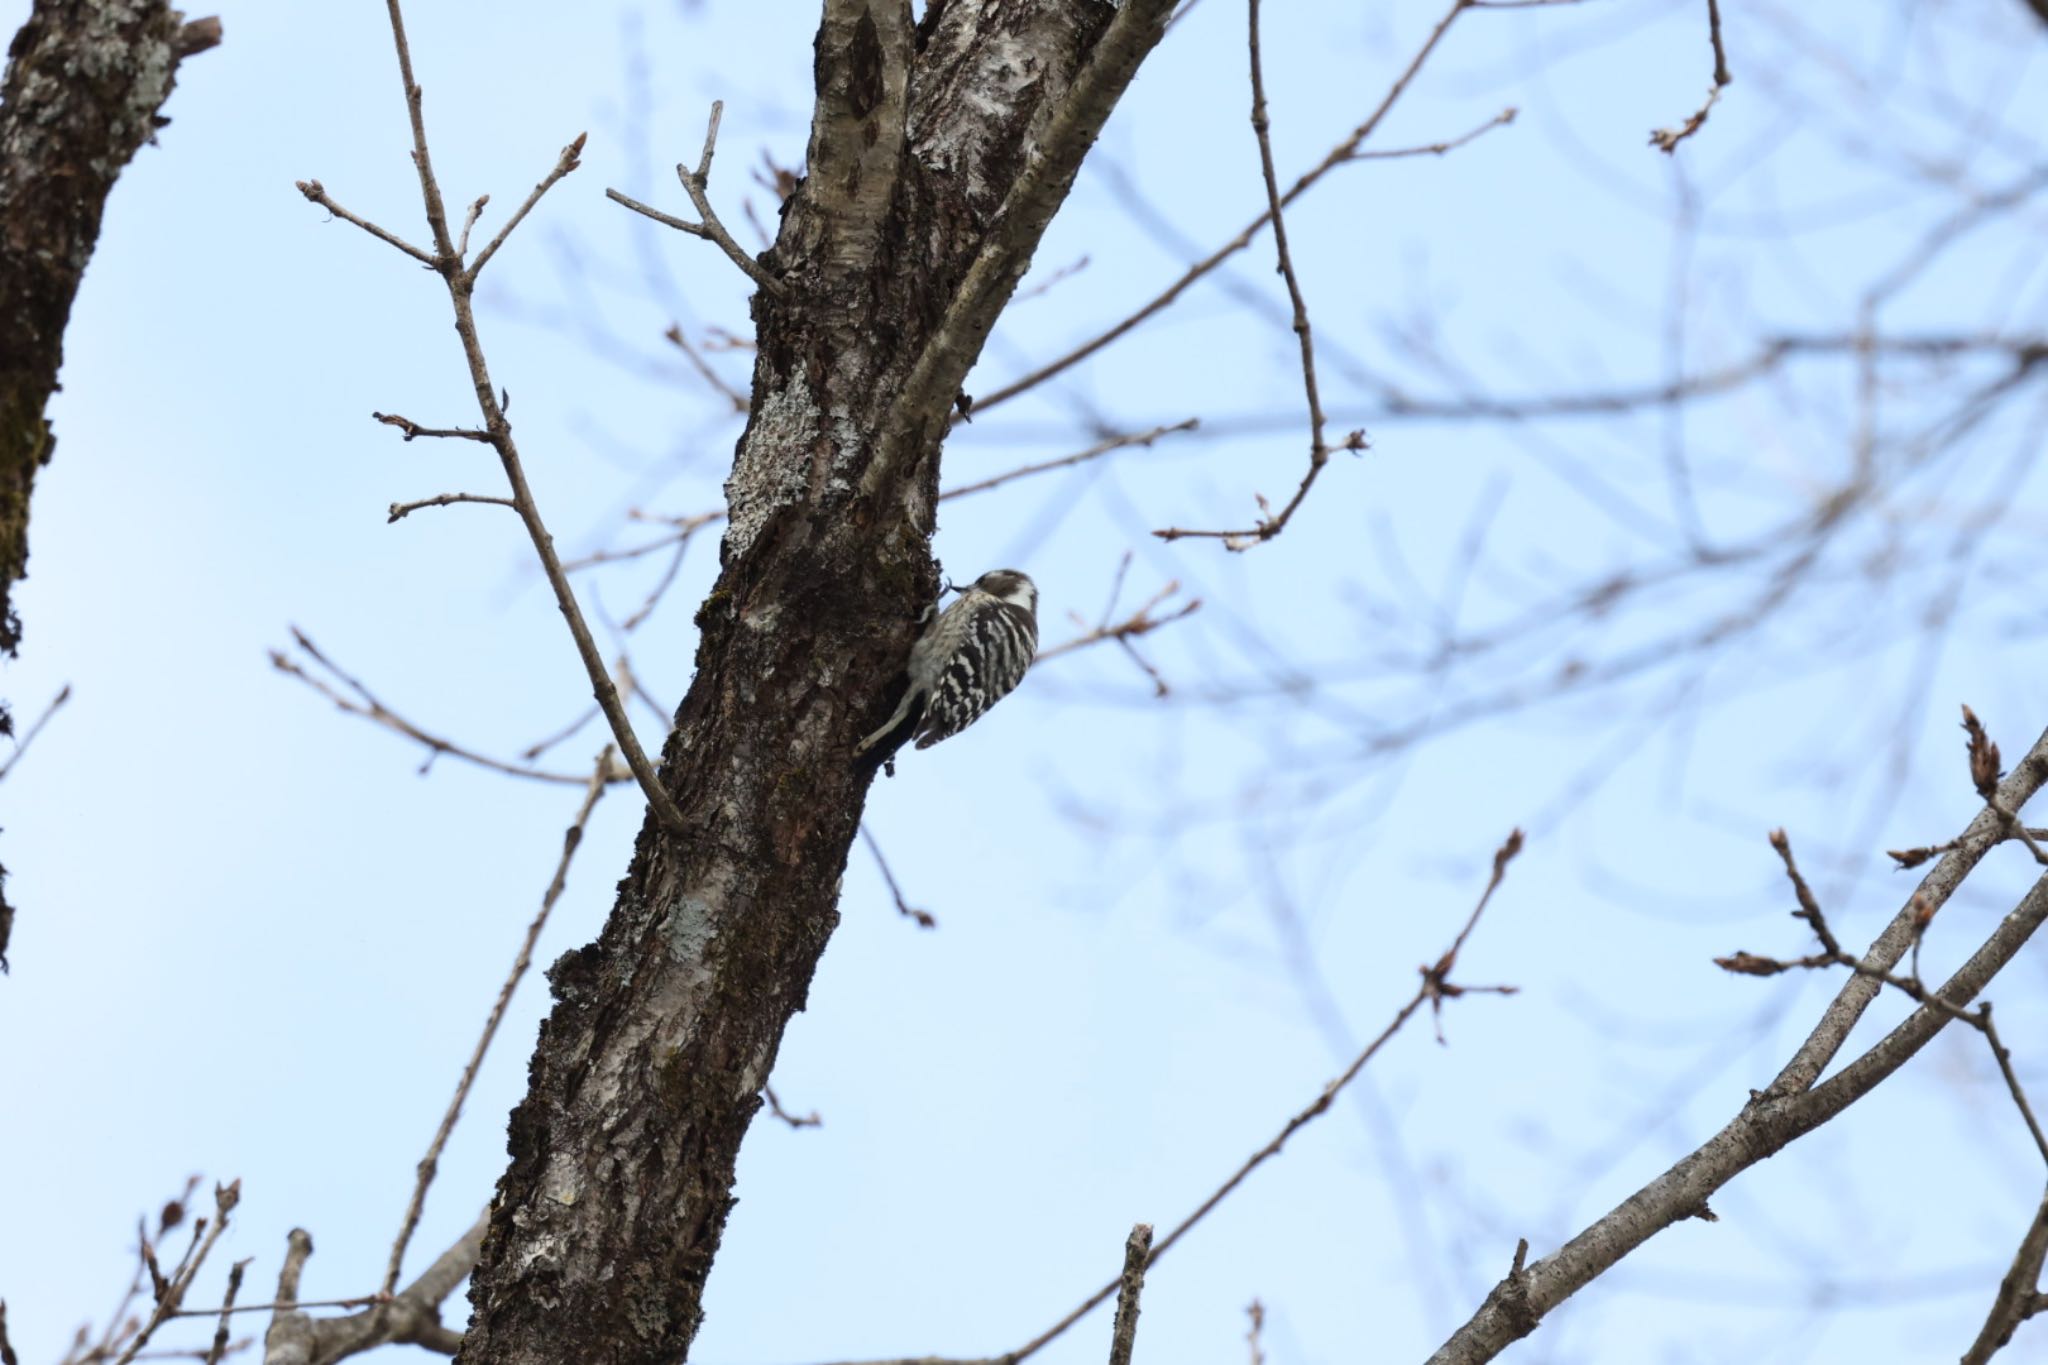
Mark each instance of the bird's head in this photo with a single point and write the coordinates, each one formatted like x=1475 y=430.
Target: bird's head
x=1010 y=586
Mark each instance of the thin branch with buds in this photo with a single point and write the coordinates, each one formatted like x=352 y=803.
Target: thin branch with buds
x=1139 y=623
x=1436 y=986
x=1094 y=452
x=1271 y=524
x=460 y=279
x=1343 y=153
x=405 y=509
x=219 y=1348
x=364 y=703
x=1666 y=140
x=412 y=429
x=169 y=1290
x=697 y=184
x=1795 y=1103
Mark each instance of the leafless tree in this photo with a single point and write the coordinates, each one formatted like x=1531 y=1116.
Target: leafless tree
x=932 y=173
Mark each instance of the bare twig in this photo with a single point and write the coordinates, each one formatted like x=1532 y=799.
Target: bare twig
x=703 y=368
x=1257 y=1313
x=36 y=728
x=568 y=161
x=1796 y=1102
x=461 y=284
x=1831 y=955
x=810 y=1120
x=1270 y=524
x=317 y=193
x=7 y=1355
x=1139 y=622
x=476 y=211
x=1343 y=153
x=1984 y=775
x=227 y=1308
x=365 y=704
x=1123 y=1335
x=697 y=184
x=2019 y=1294
x=1094 y=452
x=414 y=429
x=170 y=1293
x=1435 y=985
x=572 y=838
x=903 y=907
x=1443 y=148
x=1666 y=140
x=405 y=509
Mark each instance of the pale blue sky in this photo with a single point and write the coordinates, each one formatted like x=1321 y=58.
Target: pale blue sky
x=254 y=943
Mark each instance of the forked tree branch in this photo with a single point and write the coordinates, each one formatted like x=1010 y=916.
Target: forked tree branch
x=1792 y=1105
x=460 y=279
x=697 y=184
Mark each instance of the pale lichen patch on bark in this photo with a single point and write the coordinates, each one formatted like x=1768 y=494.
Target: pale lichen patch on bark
x=768 y=476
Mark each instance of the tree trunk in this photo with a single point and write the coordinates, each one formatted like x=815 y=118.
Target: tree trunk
x=938 y=153
x=84 y=82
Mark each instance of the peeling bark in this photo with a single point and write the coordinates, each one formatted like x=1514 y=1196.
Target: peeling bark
x=649 y=1069
x=84 y=82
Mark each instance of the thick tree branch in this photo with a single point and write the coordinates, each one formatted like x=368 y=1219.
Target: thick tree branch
x=412 y=1316
x=664 y=1032
x=85 y=81
x=1792 y=1105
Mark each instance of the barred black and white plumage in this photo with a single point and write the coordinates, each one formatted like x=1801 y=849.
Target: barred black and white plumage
x=970 y=657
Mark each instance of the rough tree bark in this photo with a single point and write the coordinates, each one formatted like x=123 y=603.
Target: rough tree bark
x=84 y=82
x=938 y=153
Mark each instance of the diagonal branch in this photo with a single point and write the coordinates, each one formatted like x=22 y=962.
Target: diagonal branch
x=1436 y=986
x=1792 y=1105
